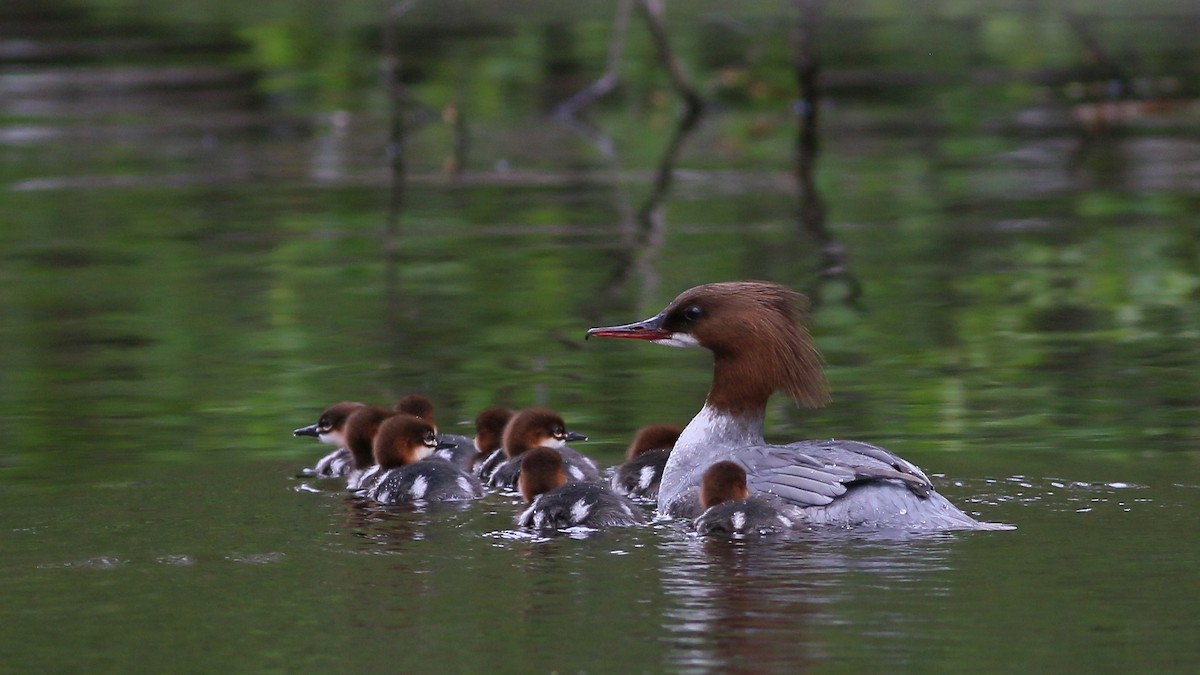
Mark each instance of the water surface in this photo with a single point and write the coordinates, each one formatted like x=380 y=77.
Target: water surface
x=197 y=258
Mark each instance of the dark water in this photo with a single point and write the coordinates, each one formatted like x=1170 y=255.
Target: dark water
x=196 y=259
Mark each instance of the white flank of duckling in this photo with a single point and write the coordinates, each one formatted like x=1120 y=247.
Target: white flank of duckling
x=579 y=511
x=419 y=486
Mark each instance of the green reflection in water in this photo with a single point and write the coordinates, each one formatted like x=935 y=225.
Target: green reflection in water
x=187 y=276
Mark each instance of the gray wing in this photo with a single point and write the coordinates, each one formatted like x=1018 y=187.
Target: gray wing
x=814 y=473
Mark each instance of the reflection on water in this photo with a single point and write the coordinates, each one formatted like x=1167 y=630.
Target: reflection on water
x=195 y=262
x=757 y=605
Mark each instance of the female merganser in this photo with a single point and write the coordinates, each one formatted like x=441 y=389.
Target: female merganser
x=328 y=429
x=456 y=449
x=556 y=504
x=540 y=427
x=753 y=329
x=360 y=430
x=642 y=471
x=404 y=451
x=489 y=436
x=729 y=508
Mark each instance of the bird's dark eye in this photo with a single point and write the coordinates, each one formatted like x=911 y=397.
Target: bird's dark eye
x=430 y=440
x=559 y=432
x=692 y=313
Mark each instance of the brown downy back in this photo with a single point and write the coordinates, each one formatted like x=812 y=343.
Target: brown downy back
x=417 y=406
x=361 y=427
x=653 y=437
x=489 y=428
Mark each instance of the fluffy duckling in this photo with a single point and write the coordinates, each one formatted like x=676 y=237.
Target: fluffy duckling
x=642 y=471
x=456 y=449
x=329 y=429
x=540 y=427
x=555 y=503
x=730 y=510
x=405 y=450
x=489 y=437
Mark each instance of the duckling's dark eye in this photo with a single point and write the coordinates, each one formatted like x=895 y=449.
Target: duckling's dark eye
x=559 y=432
x=430 y=440
x=692 y=313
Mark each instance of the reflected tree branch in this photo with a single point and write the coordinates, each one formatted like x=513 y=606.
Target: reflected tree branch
x=568 y=109
x=397 y=97
x=654 y=13
x=641 y=247
x=811 y=212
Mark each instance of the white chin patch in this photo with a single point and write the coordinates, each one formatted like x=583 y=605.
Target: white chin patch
x=553 y=442
x=678 y=340
x=423 y=452
x=332 y=438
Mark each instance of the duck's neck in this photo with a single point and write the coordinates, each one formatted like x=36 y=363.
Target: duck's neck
x=732 y=417
x=741 y=385
x=714 y=427
x=712 y=435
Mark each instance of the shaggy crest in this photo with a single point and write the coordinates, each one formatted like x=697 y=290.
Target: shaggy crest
x=745 y=323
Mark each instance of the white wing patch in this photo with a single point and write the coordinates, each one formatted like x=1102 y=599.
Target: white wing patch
x=579 y=511
x=739 y=521
x=465 y=485
x=645 y=477
x=575 y=472
x=419 y=487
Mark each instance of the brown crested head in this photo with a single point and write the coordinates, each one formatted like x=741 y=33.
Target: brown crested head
x=653 y=437
x=415 y=405
x=541 y=472
x=360 y=430
x=755 y=330
x=403 y=439
x=724 y=481
x=534 y=427
x=330 y=423
x=334 y=417
x=489 y=427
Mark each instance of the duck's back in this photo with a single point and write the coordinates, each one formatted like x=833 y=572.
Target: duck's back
x=640 y=476
x=740 y=517
x=578 y=467
x=431 y=479
x=462 y=454
x=842 y=483
x=580 y=505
